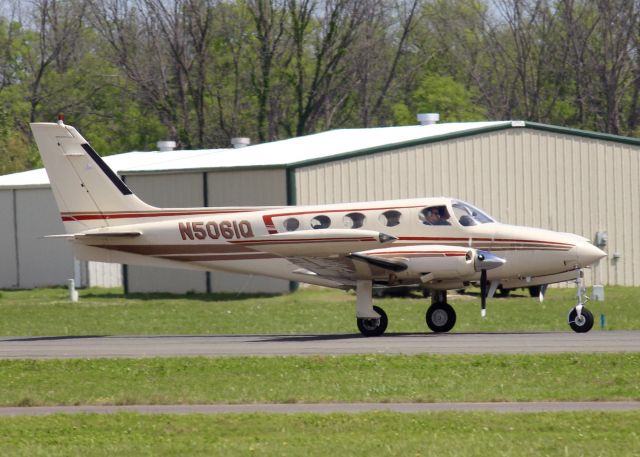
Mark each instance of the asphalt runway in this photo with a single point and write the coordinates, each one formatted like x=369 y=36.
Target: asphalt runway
x=328 y=408
x=281 y=345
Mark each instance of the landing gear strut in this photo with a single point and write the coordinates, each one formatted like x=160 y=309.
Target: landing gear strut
x=441 y=317
x=580 y=318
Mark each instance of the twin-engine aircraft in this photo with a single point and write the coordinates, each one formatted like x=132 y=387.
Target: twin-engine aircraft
x=434 y=243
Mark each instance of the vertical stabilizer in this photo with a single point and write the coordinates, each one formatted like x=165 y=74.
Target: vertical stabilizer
x=89 y=194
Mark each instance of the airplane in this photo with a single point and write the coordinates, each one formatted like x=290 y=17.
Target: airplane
x=436 y=243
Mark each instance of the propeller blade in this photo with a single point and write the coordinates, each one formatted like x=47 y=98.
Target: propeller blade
x=483 y=293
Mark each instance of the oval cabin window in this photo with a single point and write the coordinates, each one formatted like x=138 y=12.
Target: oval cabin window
x=320 y=222
x=353 y=220
x=390 y=218
x=291 y=224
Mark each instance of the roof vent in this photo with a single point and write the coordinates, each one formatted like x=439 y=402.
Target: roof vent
x=428 y=118
x=165 y=146
x=240 y=142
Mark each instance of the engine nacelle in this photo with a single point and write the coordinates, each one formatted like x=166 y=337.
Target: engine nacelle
x=434 y=261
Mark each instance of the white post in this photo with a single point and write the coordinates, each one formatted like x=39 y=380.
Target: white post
x=73 y=293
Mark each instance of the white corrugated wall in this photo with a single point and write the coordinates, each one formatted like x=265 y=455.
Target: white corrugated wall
x=521 y=176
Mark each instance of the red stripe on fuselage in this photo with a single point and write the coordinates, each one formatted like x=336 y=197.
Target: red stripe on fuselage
x=70 y=217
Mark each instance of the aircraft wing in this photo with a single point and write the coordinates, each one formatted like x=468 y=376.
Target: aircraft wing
x=412 y=263
x=343 y=269
x=317 y=243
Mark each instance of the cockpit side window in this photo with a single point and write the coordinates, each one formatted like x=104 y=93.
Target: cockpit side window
x=469 y=215
x=435 y=215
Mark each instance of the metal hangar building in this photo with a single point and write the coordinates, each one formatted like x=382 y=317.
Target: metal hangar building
x=520 y=172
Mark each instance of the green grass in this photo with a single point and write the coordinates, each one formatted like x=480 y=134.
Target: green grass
x=371 y=378
x=311 y=379
x=386 y=434
x=314 y=310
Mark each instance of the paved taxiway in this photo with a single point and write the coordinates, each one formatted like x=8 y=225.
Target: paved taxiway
x=274 y=345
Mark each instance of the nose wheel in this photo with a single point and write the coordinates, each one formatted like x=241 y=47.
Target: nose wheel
x=580 y=318
x=580 y=323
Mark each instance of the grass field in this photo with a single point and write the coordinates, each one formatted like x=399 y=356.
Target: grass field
x=313 y=310
x=312 y=379
x=370 y=378
x=375 y=434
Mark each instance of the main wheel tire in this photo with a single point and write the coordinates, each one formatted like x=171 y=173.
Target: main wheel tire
x=582 y=324
x=441 y=317
x=373 y=327
x=534 y=291
x=503 y=292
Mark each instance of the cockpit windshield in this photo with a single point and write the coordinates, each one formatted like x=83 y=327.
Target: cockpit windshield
x=468 y=215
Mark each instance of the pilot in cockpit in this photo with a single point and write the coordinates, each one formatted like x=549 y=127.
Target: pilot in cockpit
x=435 y=215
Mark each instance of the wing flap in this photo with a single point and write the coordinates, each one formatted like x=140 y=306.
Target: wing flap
x=385 y=264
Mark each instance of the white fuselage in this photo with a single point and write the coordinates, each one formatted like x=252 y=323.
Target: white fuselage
x=270 y=242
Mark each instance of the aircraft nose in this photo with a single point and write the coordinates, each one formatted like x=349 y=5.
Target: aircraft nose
x=587 y=253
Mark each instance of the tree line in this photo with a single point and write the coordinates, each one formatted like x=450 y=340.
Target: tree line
x=130 y=72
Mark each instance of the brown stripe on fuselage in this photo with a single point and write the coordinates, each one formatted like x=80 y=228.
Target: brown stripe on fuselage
x=449 y=240
x=168 y=249
x=227 y=257
x=299 y=241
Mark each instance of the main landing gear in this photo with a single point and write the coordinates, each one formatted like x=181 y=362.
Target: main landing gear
x=441 y=317
x=373 y=321
x=580 y=318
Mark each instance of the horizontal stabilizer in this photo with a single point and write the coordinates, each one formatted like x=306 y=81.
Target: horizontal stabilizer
x=79 y=236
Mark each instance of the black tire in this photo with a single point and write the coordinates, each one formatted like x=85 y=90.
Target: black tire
x=582 y=325
x=503 y=292
x=441 y=317
x=373 y=327
x=534 y=291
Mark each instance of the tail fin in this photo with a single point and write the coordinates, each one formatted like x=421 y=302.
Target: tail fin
x=89 y=194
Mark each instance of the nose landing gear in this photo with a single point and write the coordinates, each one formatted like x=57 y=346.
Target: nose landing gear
x=580 y=318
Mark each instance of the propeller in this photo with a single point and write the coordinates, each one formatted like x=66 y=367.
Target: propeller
x=486 y=261
x=483 y=292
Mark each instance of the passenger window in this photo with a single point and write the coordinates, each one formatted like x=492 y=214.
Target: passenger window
x=435 y=215
x=291 y=224
x=390 y=218
x=353 y=220
x=320 y=222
